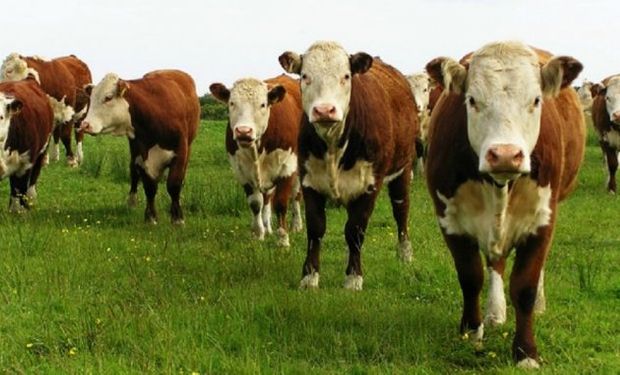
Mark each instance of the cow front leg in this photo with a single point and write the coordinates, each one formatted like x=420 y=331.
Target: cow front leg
x=495 y=312
x=65 y=137
x=611 y=156
x=255 y=201
x=266 y=212
x=19 y=187
x=296 y=222
x=281 y=197
x=315 y=229
x=524 y=284
x=399 y=197
x=150 y=190
x=79 y=140
x=358 y=212
x=54 y=153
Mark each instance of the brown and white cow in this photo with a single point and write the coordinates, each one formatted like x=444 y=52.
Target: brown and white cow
x=356 y=135
x=585 y=95
x=26 y=122
x=63 y=80
x=159 y=113
x=261 y=141
x=421 y=87
x=606 y=121
x=507 y=140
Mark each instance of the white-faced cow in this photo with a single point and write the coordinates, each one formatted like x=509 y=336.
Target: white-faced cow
x=159 y=113
x=63 y=79
x=421 y=86
x=606 y=120
x=26 y=122
x=261 y=141
x=356 y=135
x=585 y=95
x=507 y=140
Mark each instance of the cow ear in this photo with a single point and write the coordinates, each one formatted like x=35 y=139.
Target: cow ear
x=558 y=73
x=597 y=89
x=14 y=106
x=88 y=89
x=121 y=88
x=360 y=63
x=291 y=62
x=276 y=94
x=220 y=92
x=448 y=73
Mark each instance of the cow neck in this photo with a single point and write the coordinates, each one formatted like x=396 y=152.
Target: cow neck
x=336 y=140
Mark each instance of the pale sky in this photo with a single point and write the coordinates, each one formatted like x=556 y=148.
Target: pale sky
x=224 y=40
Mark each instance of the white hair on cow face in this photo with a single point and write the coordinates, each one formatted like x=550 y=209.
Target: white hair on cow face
x=15 y=68
x=420 y=87
x=8 y=107
x=108 y=112
x=612 y=99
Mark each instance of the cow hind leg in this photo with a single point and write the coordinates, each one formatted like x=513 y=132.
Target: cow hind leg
x=358 y=212
x=18 y=202
x=255 y=201
x=266 y=212
x=65 y=137
x=150 y=191
x=495 y=312
x=31 y=193
x=315 y=229
x=399 y=197
x=296 y=222
x=134 y=175
x=79 y=150
x=174 y=184
x=54 y=153
x=283 y=192
x=611 y=155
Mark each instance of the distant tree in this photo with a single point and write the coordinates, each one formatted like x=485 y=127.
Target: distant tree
x=212 y=109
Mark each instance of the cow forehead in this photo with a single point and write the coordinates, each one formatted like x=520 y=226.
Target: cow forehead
x=105 y=86
x=249 y=90
x=324 y=58
x=613 y=86
x=418 y=80
x=13 y=61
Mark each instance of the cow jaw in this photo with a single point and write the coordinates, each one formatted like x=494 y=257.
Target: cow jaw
x=504 y=99
x=108 y=112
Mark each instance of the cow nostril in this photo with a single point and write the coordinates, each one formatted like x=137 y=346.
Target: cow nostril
x=492 y=156
x=518 y=158
x=332 y=110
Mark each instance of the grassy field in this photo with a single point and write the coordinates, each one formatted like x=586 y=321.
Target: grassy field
x=87 y=287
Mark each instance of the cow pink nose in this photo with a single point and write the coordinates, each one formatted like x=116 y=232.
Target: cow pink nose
x=324 y=112
x=84 y=126
x=615 y=117
x=504 y=158
x=243 y=131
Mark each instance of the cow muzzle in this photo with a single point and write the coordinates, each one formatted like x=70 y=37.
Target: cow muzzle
x=244 y=135
x=85 y=127
x=324 y=114
x=504 y=162
x=615 y=117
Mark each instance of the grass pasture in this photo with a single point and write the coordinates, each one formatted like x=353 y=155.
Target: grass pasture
x=87 y=287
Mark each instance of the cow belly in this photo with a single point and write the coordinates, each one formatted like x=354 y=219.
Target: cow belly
x=156 y=160
x=613 y=138
x=263 y=169
x=340 y=185
x=498 y=218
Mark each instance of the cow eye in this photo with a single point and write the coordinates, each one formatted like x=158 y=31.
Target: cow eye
x=1 y=117
x=471 y=101
x=306 y=79
x=347 y=77
x=108 y=98
x=231 y=104
x=263 y=105
x=537 y=101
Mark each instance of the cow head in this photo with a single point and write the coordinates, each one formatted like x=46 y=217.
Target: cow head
x=9 y=106
x=108 y=112
x=15 y=68
x=326 y=70
x=249 y=103
x=611 y=91
x=503 y=87
x=420 y=84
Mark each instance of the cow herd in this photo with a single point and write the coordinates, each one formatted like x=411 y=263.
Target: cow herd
x=501 y=132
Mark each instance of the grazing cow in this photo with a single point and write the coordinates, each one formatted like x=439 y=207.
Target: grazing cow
x=507 y=140
x=62 y=79
x=261 y=140
x=159 y=113
x=26 y=122
x=357 y=132
x=585 y=95
x=606 y=120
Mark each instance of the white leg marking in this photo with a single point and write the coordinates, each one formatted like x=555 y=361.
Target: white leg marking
x=54 y=154
x=475 y=337
x=283 y=238
x=79 y=153
x=296 y=223
x=132 y=200
x=32 y=192
x=310 y=281
x=541 y=302
x=266 y=212
x=15 y=207
x=353 y=282
x=256 y=204
x=72 y=161
x=496 y=301
x=528 y=364
x=405 y=252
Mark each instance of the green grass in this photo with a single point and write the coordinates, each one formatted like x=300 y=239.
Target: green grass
x=87 y=287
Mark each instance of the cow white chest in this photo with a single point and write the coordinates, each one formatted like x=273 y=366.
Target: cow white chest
x=14 y=163
x=613 y=138
x=261 y=170
x=496 y=217
x=157 y=159
x=327 y=177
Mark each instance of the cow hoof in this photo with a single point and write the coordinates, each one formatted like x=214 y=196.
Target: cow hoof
x=495 y=319
x=405 y=252
x=151 y=221
x=296 y=225
x=15 y=206
x=283 y=240
x=528 y=364
x=46 y=160
x=353 y=282
x=32 y=193
x=475 y=337
x=132 y=200
x=178 y=222
x=72 y=162
x=310 y=281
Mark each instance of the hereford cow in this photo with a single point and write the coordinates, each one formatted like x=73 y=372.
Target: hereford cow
x=159 y=113
x=585 y=95
x=421 y=86
x=357 y=132
x=26 y=122
x=261 y=140
x=606 y=120
x=507 y=139
x=62 y=79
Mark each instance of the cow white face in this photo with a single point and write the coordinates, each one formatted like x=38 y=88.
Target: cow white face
x=14 y=68
x=420 y=87
x=503 y=91
x=9 y=106
x=612 y=99
x=249 y=103
x=108 y=112
x=326 y=71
